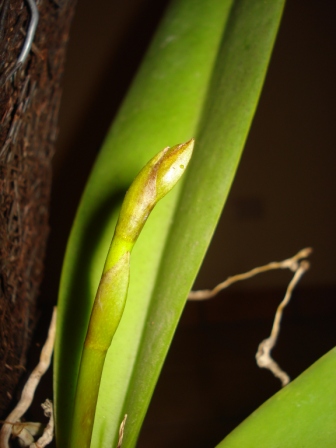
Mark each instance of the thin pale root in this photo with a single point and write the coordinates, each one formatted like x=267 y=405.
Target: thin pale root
x=290 y=263
x=263 y=356
x=296 y=265
x=30 y=387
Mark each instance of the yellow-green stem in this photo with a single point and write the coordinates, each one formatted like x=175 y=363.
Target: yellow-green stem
x=153 y=182
x=86 y=396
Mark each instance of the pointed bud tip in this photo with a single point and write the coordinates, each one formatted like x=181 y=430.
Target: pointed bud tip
x=153 y=182
x=172 y=166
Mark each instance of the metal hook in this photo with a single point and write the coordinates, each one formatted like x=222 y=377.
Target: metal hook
x=34 y=18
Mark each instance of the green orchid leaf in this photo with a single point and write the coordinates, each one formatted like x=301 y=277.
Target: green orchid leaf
x=201 y=78
x=301 y=414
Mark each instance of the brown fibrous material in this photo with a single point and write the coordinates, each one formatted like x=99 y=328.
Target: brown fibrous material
x=29 y=102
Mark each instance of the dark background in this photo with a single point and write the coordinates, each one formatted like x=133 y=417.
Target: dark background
x=282 y=200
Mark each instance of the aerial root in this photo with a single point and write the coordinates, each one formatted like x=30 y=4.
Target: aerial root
x=25 y=431
x=296 y=264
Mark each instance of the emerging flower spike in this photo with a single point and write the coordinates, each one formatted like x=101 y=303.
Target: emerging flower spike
x=153 y=182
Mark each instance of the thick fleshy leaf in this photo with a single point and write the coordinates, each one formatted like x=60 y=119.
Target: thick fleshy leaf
x=301 y=414
x=201 y=78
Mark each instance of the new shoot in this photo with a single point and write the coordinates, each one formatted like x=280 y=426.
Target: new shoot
x=153 y=182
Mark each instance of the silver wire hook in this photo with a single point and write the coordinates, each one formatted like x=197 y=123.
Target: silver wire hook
x=34 y=18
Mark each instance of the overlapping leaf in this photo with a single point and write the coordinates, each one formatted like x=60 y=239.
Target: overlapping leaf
x=201 y=78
